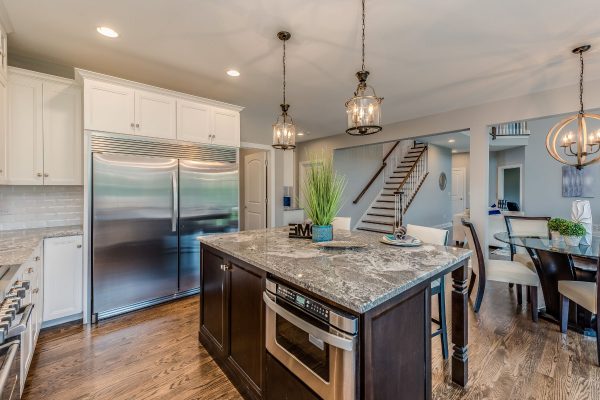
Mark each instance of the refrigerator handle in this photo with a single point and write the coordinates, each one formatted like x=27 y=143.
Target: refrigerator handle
x=175 y=211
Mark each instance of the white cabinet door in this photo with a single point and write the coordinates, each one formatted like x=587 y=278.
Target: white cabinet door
x=63 y=277
x=109 y=108
x=193 y=121
x=155 y=115
x=226 y=127
x=25 y=148
x=63 y=148
x=3 y=131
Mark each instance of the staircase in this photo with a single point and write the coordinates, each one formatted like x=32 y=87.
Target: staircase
x=407 y=177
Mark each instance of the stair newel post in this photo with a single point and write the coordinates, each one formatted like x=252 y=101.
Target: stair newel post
x=398 y=208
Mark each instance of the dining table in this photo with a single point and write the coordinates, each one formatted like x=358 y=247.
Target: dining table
x=554 y=260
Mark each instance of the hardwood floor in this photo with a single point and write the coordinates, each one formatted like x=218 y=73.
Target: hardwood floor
x=154 y=354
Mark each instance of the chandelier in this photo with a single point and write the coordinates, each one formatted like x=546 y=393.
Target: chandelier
x=284 y=130
x=578 y=147
x=364 y=109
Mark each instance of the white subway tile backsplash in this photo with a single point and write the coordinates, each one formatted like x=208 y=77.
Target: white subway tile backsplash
x=23 y=207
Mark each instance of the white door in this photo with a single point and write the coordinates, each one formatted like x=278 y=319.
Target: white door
x=255 y=190
x=63 y=277
x=226 y=127
x=109 y=108
x=3 y=131
x=25 y=147
x=63 y=148
x=155 y=115
x=193 y=121
x=459 y=190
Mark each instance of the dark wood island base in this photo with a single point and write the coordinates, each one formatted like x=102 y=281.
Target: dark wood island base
x=393 y=348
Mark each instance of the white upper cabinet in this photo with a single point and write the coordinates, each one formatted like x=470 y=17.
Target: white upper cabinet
x=3 y=53
x=155 y=115
x=193 y=121
x=109 y=108
x=226 y=130
x=63 y=147
x=44 y=133
x=3 y=127
x=25 y=146
x=121 y=106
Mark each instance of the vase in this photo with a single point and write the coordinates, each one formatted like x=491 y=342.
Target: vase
x=572 y=240
x=322 y=233
x=555 y=235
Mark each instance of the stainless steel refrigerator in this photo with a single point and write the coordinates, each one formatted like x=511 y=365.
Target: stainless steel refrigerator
x=147 y=213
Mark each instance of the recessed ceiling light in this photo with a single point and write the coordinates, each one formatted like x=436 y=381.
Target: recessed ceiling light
x=108 y=32
x=233 y=72
x=300 y=134
x=451 y=141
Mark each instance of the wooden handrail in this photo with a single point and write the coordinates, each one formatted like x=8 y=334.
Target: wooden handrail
x=383 y=165
x=411 y=170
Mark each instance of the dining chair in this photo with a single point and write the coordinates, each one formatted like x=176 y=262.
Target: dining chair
x=499 y=271
x=435 y=236
x=586 y=295
x=518 y=225
x=341 y=223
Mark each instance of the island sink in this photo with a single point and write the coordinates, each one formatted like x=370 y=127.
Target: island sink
x=285 y=319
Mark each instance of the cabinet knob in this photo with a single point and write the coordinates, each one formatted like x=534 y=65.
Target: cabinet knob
x=137 y=125
x=37 y=258
x=29 y=270
x=39 y=174
x=132 y=125
x=46 y=175
x=35 y=290
x=78 y=246
x=225 y=267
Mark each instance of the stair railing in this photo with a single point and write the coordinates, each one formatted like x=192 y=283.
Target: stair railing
x=384 y=164
x=413 y=180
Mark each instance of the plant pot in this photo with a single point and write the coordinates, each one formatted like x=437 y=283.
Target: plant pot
x=556 y=236
x=322 y=233
x=572 y=240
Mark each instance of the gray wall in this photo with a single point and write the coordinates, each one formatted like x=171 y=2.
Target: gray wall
x=542 y=178
x=432 y=206
x=358 y=165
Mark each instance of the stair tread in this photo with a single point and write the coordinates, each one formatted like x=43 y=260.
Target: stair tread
x=381 y=215
x=382 y=208
x=372 y=230
x=369 y=221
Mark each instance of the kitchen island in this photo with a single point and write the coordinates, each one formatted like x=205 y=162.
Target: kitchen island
x=382 y=291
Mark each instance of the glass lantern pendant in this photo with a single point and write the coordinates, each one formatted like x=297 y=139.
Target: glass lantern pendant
x=364 y=109
x=581 y=147
x=284 y=130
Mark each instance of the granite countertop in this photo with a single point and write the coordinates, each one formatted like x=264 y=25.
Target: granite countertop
x=357 y=279
x=16 y=246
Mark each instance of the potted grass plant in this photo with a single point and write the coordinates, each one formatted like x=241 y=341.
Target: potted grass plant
x=554 y=226
x=322 y=189
x=572 y=232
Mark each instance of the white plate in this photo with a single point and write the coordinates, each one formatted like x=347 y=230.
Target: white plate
x=401 y=243
x=340 y=244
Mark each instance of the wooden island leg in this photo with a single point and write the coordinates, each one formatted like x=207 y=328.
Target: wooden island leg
x=460 y=326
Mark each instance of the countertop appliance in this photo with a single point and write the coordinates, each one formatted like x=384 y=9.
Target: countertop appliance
x=16 y=334
x=311 y=347
x=150 y=201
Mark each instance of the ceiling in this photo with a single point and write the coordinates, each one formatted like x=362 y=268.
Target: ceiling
x=459 y=142
x=423 y=58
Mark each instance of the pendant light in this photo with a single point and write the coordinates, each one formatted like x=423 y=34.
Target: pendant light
x=577 y=147
x=284 y=130
x=364 y=109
